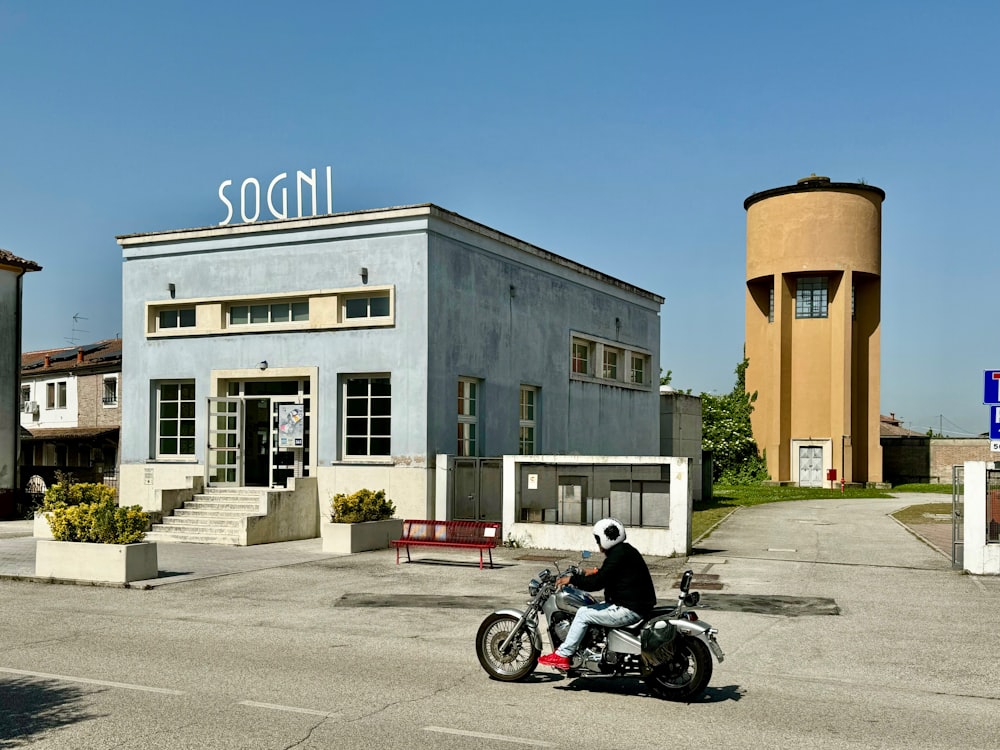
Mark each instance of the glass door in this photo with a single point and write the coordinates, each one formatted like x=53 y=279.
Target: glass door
x=225 y=452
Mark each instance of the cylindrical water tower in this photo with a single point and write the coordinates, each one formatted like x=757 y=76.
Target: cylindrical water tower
x=12 y=270
x=813 y=308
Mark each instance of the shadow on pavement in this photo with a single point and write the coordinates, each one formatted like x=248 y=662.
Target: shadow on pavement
x=33 y=707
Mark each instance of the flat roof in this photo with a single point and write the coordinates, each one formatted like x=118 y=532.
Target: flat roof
x=376 y=215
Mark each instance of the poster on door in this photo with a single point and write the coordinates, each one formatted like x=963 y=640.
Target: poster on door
x=290 y=425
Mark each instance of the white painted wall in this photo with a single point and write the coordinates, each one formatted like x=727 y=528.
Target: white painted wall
x=979 y=557
x=665 y=542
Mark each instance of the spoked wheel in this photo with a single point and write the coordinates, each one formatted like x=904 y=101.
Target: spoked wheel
x=686 y=675
x=518 y=661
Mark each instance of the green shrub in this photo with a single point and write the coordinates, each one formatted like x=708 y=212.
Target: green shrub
x=360 y=506
x=63 y=494
x=101 y=522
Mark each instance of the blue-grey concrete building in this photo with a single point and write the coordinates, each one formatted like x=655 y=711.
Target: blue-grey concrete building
x=357 y=348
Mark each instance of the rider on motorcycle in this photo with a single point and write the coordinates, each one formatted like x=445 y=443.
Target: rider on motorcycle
x=629 y=595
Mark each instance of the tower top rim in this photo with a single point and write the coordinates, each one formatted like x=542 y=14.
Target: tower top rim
x=812 y=184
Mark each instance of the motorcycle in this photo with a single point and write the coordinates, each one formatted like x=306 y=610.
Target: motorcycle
x=671 y=650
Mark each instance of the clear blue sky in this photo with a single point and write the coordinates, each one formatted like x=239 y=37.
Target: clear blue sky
x=624 y=136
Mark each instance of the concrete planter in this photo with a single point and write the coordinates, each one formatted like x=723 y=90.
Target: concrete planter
x=83 y=561
x=347 y=538
x=41 y=528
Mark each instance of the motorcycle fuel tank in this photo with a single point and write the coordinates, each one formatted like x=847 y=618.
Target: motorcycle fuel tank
x=570 y=599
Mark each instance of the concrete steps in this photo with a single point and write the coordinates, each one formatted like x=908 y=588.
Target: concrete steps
x=217 y=516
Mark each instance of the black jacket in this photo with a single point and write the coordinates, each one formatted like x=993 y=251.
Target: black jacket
x=625 y=579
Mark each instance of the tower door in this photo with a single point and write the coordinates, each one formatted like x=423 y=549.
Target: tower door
x=810 y=466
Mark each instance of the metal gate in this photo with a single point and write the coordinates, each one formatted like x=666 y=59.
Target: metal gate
x=957 y=516
x=477 y=489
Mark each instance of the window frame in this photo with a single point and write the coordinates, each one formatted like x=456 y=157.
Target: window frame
x=179 y=311
x=180 y=420
x=581 y=356
x=56 y=395
x=113 y=402
x=812 y=297
x=381 y=294
x=251 y=305
x=528 y=421
x=616 y=362
x=468 y=442
x=371 y=400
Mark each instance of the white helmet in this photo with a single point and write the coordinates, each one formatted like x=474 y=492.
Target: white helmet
x=608 y=532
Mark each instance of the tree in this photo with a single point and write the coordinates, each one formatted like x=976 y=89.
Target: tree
x=727 y=433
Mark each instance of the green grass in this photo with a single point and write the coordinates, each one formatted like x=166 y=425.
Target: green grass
x=926 y=513
x=942 y=489
x=727 y=498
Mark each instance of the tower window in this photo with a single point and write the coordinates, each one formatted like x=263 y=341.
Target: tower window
x=810 y=297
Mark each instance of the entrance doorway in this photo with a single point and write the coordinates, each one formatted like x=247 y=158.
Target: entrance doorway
x=259 y=433
x=810 y=466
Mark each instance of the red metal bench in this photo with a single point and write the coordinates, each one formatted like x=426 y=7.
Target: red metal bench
x=481 y=535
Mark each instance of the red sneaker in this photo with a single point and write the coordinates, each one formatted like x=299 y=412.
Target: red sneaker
x=554 y=660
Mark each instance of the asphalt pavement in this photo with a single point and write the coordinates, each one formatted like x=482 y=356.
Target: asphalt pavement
x=842 y=629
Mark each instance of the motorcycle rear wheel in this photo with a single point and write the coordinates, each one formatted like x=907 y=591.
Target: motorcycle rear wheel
x=686 y=675
x=521 y=658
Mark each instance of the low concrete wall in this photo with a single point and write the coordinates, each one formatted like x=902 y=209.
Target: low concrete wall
x=292 y=513
x=40 y=528
x=669 y=541
x=107 y=563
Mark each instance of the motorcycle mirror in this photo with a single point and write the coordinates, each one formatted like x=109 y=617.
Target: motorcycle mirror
x=686 y=580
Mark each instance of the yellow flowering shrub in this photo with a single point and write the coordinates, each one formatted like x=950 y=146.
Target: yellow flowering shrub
x=360 y=506
x=101 y=522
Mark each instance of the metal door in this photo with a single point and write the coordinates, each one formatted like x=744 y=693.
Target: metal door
x=477 y=492
x=958 y=516
x=810 y=466
x=225 y=437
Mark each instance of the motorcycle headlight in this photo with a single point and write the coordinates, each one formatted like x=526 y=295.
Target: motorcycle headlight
x=533 y=587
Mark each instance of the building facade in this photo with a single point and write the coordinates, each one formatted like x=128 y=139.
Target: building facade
x=12 y=270
x=813 y=312
x=71 y=411
x=355 y=348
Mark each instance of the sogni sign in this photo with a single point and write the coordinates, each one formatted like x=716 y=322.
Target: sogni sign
x=252 y=195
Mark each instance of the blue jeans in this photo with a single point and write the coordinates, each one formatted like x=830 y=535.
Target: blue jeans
x=608 y=615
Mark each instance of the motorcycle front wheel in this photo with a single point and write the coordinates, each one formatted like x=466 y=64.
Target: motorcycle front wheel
x=685 y=675
x=518 y=661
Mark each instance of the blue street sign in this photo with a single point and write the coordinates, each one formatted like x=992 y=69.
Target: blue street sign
x=995 y=423
x=991 y=387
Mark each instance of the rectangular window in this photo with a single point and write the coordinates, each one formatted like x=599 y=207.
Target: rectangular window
x=367 y=417
x=274 y=312
x=581 y=357
x=528 y=423
x=610 y=364
x=25 y=397
x=468 y=417
x=175 y=407
x=375 y=306
x=55 y=395
x=810 y=297
x=639 y=369
x=181 y=317
x=110 y=397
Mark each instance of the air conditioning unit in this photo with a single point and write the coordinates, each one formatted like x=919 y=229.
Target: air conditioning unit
x=32 y=408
